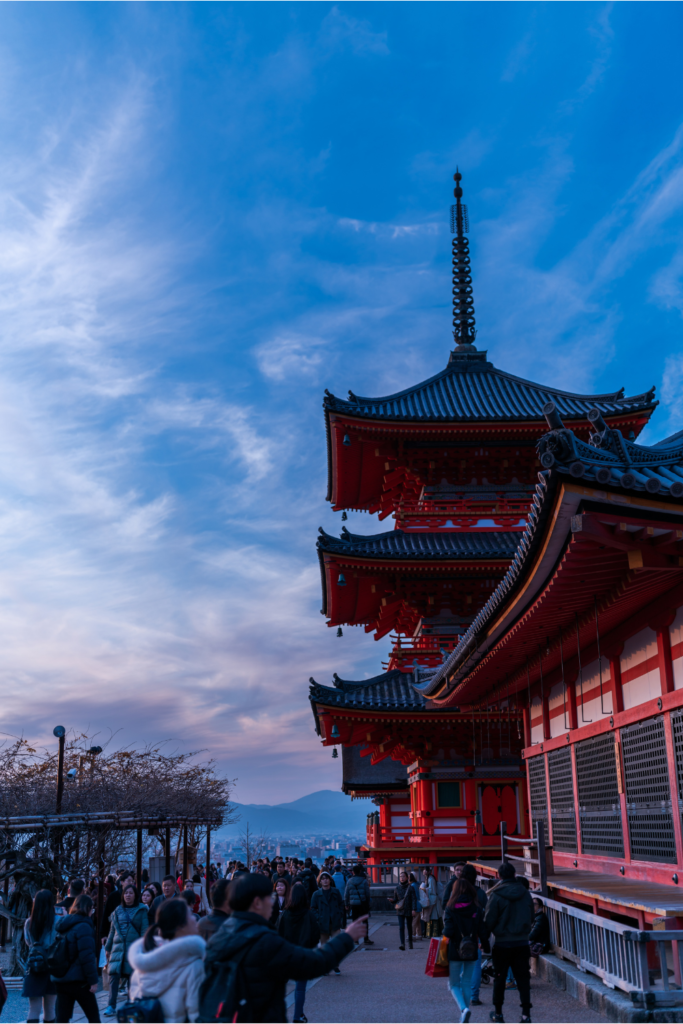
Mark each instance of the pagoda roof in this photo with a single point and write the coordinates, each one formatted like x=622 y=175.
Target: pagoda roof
x=391 y=691
x=363 y=779
x=472 y=389
x=621 y=469
x=399 y=545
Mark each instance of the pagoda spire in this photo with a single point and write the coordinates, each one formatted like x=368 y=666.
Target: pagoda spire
x=464 y=331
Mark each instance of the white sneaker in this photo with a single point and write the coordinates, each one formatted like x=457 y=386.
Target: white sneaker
x=465 y=1016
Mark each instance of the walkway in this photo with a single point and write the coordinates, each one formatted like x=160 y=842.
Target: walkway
x=381 y=984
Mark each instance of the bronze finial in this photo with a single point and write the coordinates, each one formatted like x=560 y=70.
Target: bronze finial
x=464 y=331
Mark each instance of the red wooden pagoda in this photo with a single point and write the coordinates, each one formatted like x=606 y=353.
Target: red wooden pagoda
x=454 y=460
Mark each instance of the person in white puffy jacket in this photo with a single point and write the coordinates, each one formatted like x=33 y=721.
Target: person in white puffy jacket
x=168 y=963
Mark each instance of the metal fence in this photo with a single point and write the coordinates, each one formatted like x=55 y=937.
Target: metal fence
x=646 y=964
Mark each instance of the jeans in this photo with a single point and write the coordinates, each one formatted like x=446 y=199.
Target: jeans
x=476 y=975
x=402 y=923
x=517 y=958
x=69 y=993
x=299 y=998
x=460 y=981
x=114 y=982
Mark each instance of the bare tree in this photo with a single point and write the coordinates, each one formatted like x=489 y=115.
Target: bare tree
x=253 y=844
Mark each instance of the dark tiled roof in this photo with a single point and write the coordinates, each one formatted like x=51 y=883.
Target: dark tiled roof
x=397 y=544
x=609 y=461
x=361 y=775
x=471 y=388
x=391 y=690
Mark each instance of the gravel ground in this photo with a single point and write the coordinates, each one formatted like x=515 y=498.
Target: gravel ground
x=383 y=985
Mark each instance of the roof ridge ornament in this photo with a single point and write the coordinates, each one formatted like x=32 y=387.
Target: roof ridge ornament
x=464 y=331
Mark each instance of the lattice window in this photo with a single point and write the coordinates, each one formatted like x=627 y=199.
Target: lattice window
x=599 y=804
x=677 y=728
x=648 y=794
x=562 y=809
x=537 y=792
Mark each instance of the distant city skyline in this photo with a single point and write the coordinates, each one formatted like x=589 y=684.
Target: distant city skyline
x=209 y=213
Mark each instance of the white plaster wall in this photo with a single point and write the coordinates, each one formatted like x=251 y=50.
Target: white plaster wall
x=676 y=634
x=592 y=709
x=556 y=704
x=647 y=686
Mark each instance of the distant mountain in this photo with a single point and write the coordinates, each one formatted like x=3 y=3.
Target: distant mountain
x=326 y=811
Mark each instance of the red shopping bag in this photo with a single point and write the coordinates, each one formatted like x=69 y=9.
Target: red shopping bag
x=433 y=969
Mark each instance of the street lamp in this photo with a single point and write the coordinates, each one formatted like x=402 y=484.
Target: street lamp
x=60 y=732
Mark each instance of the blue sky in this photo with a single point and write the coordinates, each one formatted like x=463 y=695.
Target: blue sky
x=211 y=212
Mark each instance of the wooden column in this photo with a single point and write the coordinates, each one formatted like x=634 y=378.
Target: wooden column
x=138 y=862
x=572 y=715
x=526 y=721
x=666 y=668
x=673 y=785
x=545 y=714
x=185 y=854
x=622 y=801
x=208 y=862
x=549 y=833
x=167 y=853
x=575 y=783
x=615 y=679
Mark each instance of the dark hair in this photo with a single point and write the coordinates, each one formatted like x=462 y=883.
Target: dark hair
x=82 y=905
x=540 y=902
x=506 y=871
x=358 y=869
x=219 y=890
x=245 y=888
x=470 y=873
x=412 y=878
x=297 y=899
x=189 y=897
x=523 y=880
x=171 y=915
x=196 y=878
x=169 y=878
x=462 y=891
x=136 y=894
x=42 y=914
x=76 y=886
x=283 y=881
x=309 y=862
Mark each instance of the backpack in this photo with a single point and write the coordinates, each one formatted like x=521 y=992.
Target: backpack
x=469 y=947
x=37 y=960
x=141 y=1011
x=222 y=996
x=59 y=959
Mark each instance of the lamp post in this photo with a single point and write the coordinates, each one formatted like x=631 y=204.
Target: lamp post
x=60 y=732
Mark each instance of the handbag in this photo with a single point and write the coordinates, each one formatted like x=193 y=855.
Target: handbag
x=141 y=1011
x=442 y=955
x=399 y=905
x=432 y=968
x=535 y=949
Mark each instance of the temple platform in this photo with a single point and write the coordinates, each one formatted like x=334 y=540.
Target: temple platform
x=642 y=902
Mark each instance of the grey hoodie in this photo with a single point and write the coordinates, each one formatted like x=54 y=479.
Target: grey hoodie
x=509 y=913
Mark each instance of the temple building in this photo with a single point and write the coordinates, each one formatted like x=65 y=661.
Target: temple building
x=454 y=461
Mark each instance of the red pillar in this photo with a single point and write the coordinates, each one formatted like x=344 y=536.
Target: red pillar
x=571 y=705
x=666 y=669
x=526 y=722
x=615 y=680
x=545 y=714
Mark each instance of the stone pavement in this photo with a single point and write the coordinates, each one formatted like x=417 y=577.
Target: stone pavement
x=382 y=985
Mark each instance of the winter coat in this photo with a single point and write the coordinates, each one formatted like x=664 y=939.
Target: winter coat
x=308 y=880
x=270 y=963
x=328 y=908
x=172 y=973
x=429 y=898
x=464 y=920
x=38 y=985
x=509 y=913
x=540 y=930
x=156 y=903
x=406 y=894
x=127 y=925
x=339 y=879
x=278 y=911
x=299 y=927
x=357 y=892
x=210 y=924
x=80 y=937
x=481 y=895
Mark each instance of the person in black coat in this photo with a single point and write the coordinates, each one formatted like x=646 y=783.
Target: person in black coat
x=299 y=926
x=79 y=984
x=540 y=929
x=464 y=928
x=220 y=910
x=270 y=961
x=280 y=900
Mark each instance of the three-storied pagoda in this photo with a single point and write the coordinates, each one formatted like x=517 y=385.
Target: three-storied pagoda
x=454 y=460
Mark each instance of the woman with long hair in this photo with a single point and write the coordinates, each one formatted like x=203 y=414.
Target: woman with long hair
x=417 y=909
x=129 y=922
x=299 y=926
x=39 y=933
x=79 y=984
x=168 y=963
x=465 y=929
x=280 y=898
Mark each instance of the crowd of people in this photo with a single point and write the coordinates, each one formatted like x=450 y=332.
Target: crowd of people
x=284 y=920
x=468 y=916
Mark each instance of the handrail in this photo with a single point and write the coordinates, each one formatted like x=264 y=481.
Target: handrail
x=540 y=860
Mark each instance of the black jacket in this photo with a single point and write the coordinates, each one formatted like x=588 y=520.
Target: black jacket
x=509 y=913
x=540 y=930
x=270 y=963
x=328 y=908
x=300 y=928
x=404 y=894
x=210 y=924
x=80 y=936
x=308 y=880
x=464 y=920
